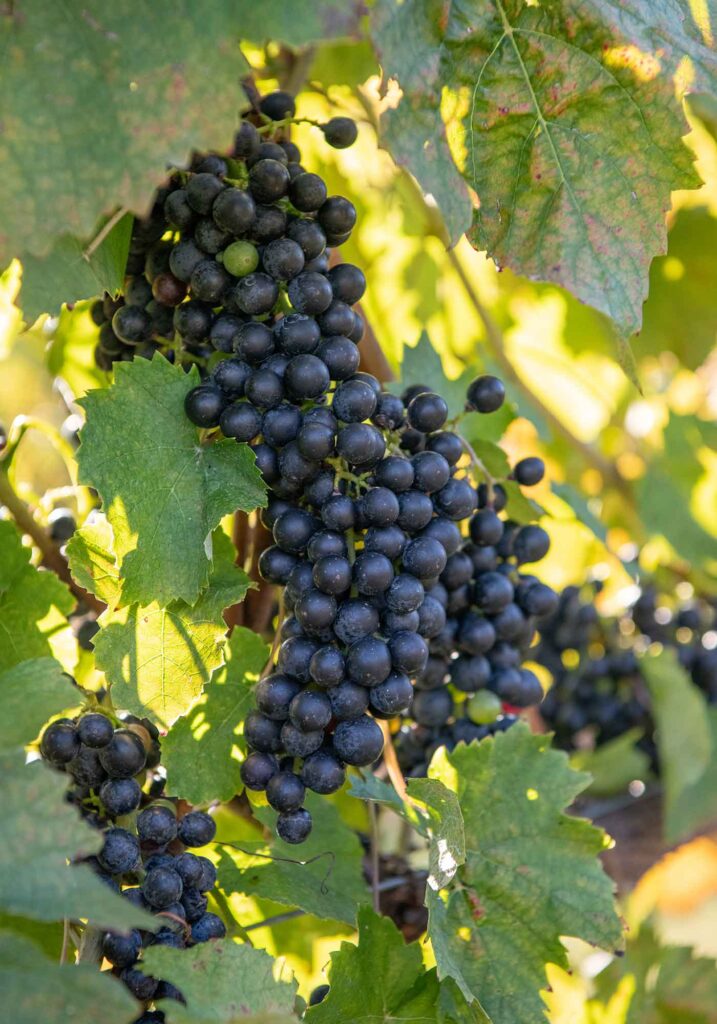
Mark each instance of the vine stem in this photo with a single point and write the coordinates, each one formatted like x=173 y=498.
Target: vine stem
x=391 y=761
x=373 y=819
x=496 y=341
x=65 y=940
x=51 y=556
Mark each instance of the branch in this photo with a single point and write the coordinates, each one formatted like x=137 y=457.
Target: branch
x=51 y=555
x=391 y=761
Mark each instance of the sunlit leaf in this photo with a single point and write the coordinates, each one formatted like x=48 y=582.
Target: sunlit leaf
x=30 y=693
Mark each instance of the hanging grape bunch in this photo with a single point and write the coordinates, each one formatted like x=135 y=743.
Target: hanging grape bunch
x=598 y=690
x=115 y=782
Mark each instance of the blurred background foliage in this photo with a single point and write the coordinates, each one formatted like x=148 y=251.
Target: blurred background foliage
x=631 y=487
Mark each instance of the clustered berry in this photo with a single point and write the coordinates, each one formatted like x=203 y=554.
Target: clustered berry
x=145 y=854
x=598 y=691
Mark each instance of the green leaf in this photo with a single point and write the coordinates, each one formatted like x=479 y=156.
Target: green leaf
x=614 y=765
x=322 y=876
x=46 y=935
x=41 y=832
x=698 y=805
x=481 y=426
x=519 y=508
x=684 y=740
x=305 y=21
x=344 y=63
x=665 y=984
x=157 y=659
x=30 y=693
x=379 y=980
x=222 y=982
x=92 y=561
x=581 y=507
x=552 y=111
x=40 y=989
x=531 y=874
x=33 y=603
x=200 y=751
x=71 y=350
x=493 y=458
x=433 y=810
x=162 y=491
x=67 y=274
x=421 y=364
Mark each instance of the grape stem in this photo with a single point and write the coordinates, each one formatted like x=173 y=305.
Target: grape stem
x=480 y=465
x=51 y=556
x=391 y=761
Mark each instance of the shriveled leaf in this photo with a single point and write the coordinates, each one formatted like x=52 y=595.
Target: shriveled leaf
x=222 y=982
x=41 y=832
x=70 y=271
x=40 y=989
x=158 y=659
x=433 y=810
x=322 y=876
x=421 y=364
x=201 y=751
x=531 y=874
x=613 y=765
x=92 y=561
x=29 y=694
x=564 y=121
x=33 y=602
x=162 y=491
x=683 y=734
x=379 y=980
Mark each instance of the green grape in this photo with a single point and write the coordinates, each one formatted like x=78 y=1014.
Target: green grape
x=240 y=258
x=484 y=707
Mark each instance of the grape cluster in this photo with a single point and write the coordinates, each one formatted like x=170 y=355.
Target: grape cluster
x=229 y=242
x=145 y=854
x=598 y=691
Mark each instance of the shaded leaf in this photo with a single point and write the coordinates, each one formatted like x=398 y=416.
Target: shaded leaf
x=551 y=111
x=613 y=765
x=322 y=876
x=158 y=659
x=531 y=874
x=580 y=506
x=67 y=273
x=200 y=751
x=162 y=491
x=40 y=989
x=33 y=602
x=41 y=832
x=222 y=982
x=520 y=508
x=71 y=351
x=421 y=364
x=684 y=740
x=306 y=21
x=30 y=693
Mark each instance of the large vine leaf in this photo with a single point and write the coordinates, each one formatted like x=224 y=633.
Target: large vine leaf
x=29 y=694
x=41 y=832
x=421 y=364
x=33 y=603
x=683 y=734
x=380 y=980
x=158 y=659
x=200 y=753
x=563 y=119
x=531 y=874
x=40 y=989
x=70 y=271
x=222 y=982
x=163 y=491
x=92 y=560
x=322 y=876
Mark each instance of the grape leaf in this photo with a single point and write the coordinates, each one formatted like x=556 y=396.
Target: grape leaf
x=665 y=984
x=91 y=557
x=200 y=751
x=322 y=877
x=379 y=980
x=421 y=364
x=683 y=735
x=71 y=350
x=222 y=982
x=158 y=659
x=520 y=508
x=67 y=274
x=46 y=935
x=162 y=491
x=698 y=805
x=33 y=603
x=40 y=989
x=51 y=691
x=613 y=765
x=41 y=832
x=563 y=119
x=581 y=508
x=482 y=426
x=433 y=810
x=531 y=874
x=305 y=21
